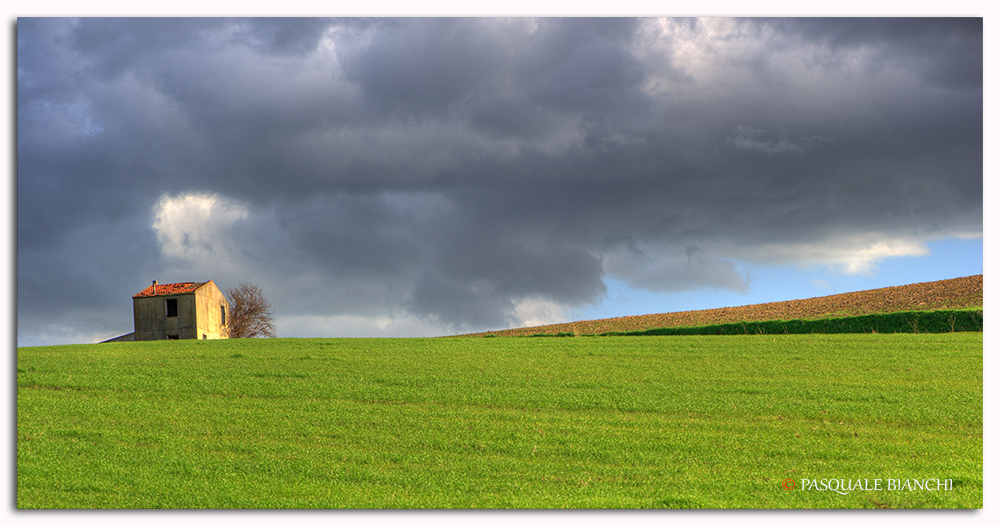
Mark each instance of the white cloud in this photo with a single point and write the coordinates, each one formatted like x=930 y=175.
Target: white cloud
x=532 y=312
x=849 y=255
x=195 y=227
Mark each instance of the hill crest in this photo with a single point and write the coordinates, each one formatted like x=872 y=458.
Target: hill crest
x=966 y=292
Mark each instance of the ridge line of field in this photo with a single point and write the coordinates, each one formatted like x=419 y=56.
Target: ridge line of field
x=916 y=322
x=951 y=294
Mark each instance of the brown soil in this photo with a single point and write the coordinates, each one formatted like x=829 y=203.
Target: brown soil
x=946 y=294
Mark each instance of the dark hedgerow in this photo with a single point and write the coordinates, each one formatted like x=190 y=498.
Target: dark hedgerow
x=939 y=321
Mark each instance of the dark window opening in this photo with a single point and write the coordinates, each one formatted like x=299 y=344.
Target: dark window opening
x=223 y=314
x=173 y=337
x=172 y=308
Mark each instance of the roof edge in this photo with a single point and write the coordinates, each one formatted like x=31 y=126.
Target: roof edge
x=170 y=289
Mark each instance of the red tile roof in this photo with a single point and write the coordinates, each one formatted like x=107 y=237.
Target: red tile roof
x=162 y=289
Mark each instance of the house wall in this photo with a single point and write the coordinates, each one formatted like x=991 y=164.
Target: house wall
x=210 y=301
x=152 y=323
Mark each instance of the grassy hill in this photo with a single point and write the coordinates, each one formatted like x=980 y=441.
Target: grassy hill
x=613 y=422
x=950 y=294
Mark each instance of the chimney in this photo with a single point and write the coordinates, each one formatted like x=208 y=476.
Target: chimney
x=154 y=287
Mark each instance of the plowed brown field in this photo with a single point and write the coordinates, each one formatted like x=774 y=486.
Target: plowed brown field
x=946 y=294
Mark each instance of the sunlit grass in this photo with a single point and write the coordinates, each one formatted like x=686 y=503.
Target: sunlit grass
x=614 y=422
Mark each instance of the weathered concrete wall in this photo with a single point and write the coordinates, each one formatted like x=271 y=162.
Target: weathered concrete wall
x=152 y=323
x=199 y=315
x=210 y=302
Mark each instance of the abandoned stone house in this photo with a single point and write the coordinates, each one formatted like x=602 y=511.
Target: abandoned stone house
x=180 y=311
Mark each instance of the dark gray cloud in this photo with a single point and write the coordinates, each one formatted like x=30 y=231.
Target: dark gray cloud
x=448 y=172
x=943 y=51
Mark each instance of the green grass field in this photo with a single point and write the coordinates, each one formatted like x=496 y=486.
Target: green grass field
x=611 y=422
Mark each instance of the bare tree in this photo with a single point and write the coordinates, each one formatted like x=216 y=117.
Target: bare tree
x=251 y=315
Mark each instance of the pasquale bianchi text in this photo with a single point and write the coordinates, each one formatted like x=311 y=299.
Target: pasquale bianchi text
x=845 y=486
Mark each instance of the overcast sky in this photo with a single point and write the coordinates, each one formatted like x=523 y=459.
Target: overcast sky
x=383 y=177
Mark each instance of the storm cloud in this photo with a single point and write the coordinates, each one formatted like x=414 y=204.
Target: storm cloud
x=427 y=176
